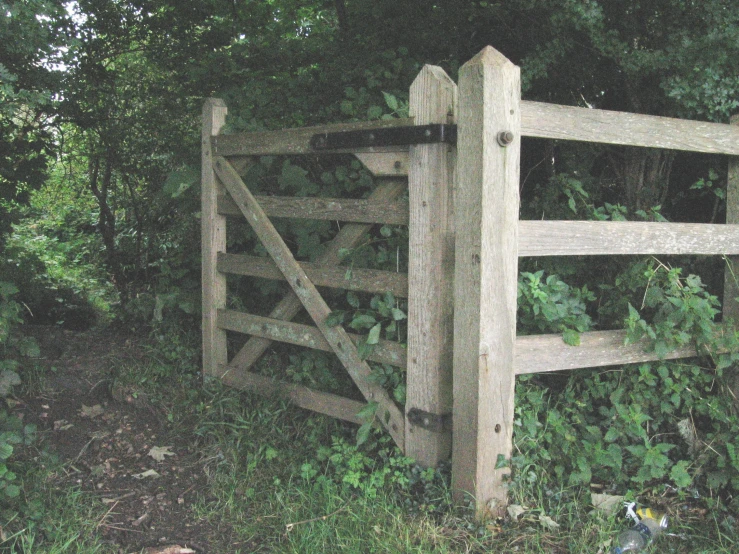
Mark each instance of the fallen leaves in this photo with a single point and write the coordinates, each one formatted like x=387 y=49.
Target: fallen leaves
x=607 y=503
x=62 y=425
x=159 y=453
x=91 y=411
x=145 y=474
x=548 y=523
x=176 y=549
x=514 y=511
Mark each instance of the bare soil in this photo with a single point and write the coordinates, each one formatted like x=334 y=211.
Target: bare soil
x=110 y=440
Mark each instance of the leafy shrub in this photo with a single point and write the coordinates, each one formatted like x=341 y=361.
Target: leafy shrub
x=12 y=429
x=641 y=427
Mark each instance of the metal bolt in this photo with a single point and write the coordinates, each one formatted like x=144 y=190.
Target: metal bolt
x=505 y=138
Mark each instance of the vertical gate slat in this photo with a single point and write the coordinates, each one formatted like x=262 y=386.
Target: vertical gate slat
x=486 y=272
x=213 y=240
x=433 y=98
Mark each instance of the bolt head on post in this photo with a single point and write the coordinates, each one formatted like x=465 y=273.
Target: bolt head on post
x=505 y=138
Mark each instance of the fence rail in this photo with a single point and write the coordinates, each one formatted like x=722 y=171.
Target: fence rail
x=605 y=238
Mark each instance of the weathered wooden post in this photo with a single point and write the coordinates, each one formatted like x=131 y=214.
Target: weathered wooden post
x=213 y=240
x=428 y=438
x=731 y=273
x=486 y=271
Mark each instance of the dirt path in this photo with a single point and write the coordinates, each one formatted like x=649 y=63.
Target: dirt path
x=116 y=445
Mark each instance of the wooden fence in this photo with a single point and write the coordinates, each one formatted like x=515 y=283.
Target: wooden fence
x=465 y=240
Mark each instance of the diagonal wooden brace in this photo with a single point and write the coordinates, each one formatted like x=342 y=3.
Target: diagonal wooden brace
x=348 y=237
x=389 y=415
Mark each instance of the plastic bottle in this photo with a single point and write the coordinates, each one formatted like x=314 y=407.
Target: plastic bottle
x=640 y=535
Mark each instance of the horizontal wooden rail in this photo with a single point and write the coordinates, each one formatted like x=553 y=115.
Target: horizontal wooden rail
x=386 y=352
x=297 y=141
x=304 y=397
x=332 y=209
x=583 y=124
x=598 y=238
x=538 y=119
x=544 y=353
x=366 y=280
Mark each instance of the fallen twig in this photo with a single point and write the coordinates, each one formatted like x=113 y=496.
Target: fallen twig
x=289 y=526
x=102 y=519
x=121 y=528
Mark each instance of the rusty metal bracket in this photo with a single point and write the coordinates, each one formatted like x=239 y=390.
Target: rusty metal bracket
x=431 y=422
x=388 y=136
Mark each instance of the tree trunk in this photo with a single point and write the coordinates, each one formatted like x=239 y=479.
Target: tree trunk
x=100 y=188
x=644 y=174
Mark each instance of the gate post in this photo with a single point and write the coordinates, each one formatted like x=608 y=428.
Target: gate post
x=729 y=305
x=213 y=240
x=486 y=274
x=433 y=99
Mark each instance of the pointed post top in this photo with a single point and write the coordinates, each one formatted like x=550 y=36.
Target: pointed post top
x=433 y=72
x=433 y=96
x=213 y=103
x=489 y=56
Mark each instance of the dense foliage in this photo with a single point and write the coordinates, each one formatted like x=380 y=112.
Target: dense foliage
x=99 y=138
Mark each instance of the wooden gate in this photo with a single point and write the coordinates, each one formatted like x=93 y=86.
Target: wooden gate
x=426 y=172
x=465 y=241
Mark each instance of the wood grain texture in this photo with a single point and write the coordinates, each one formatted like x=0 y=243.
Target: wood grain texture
x=332 y=209
x=599 y=238
x=366 y=280
x=433 y=99
x=730 y=305
x=310 y=399
x=486 y=212
x=544 y=353
x=385 y=164
x=572 y=123
x=213 y=240
x=385 y=352
x=341 y=344
x=297 y=141
x=348 y=237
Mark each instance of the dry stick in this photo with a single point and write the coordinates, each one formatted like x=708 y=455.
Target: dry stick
x=290 y=305
x=121 y=528
x=100 y=522
x=289 y=526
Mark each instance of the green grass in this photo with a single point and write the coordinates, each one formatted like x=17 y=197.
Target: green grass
x=282 y=480
x=52 y=521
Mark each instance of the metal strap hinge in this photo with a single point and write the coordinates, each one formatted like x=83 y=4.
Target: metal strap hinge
x=431 y=422
x=387 y=136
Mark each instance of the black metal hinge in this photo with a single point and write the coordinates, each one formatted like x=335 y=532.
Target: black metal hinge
x=387 y=136
x=431 y=422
